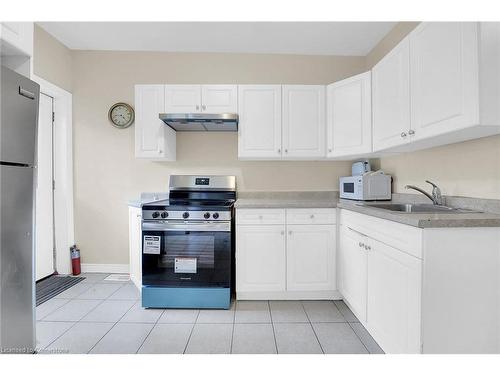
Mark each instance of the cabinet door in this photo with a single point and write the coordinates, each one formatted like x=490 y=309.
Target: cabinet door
x=153 y=139
x=391 y=98
x=18 y=35
x=260 y=258
x=352 y=270
x=135 y=245
x=304 y=128
x=394 y=291
x=349 y=116
x=444 y=77
x=259 y=128
x=182 y=98
x=219 y=98
x=310 y=257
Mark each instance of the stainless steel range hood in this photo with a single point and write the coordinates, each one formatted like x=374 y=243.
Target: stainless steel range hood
x=196 y=122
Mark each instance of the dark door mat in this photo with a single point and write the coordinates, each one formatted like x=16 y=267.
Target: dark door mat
x=53 y=285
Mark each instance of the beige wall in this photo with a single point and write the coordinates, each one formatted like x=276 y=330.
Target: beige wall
x=106 y=171
x=467 y=169
x=51 y=59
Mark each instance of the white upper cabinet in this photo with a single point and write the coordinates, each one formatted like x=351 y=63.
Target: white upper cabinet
x=18 y=36
x=444 y=77
x=219 y=98
x=391 y=98
x=349 y=117
x=201 y=98
x=438 y=86
x=153 y=139
x=182 y=98
x=259 y=128
x=304 y=128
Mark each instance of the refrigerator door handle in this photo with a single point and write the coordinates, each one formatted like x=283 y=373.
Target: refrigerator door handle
x=26 y=93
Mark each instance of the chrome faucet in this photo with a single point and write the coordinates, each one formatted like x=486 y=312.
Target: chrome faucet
x=436 y=196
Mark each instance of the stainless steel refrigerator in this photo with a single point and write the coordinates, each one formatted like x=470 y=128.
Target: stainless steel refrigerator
x=18 y=131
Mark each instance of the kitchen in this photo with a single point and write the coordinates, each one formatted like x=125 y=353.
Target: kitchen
x=312 y=273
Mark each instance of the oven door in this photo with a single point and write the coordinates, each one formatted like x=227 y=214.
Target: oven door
x=186 y=254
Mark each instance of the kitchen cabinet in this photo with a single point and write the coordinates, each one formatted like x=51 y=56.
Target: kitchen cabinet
x=393 y=297
x=153 y=140
x=352 y=270
x=201 y=98
x=259 y=127
x=260 y=258
x=18 y=36
x=349 y=117
x=285 y=253
x=444 y=77
x=16 y=46
x=304 y=126
x=310 y=257
x=135 y=244
x=407 y=285
x=391 y=98
x=439 y=85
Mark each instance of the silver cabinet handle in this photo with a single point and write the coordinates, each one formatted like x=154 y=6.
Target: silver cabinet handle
x=290 y=232
x=312 y=216
x=139 y=215
x=204 y=107
x=361 y=244
x=355 y=231
x=329 y=150
x=403 y=134
x=286 y=151
x=411 y=132
x=26 y=93
x=279 y=150
x=197 y=107
x=367 y=247
x=160 y=151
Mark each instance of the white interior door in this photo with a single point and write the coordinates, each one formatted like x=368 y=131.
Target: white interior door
x=44 y=191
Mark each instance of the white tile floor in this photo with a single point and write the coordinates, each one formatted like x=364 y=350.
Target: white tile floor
x=98 y=316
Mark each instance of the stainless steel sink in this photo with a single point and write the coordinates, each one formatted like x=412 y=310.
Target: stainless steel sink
x=418 y=208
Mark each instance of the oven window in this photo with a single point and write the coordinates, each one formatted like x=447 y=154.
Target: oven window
x=185 y=246
x=348 y=187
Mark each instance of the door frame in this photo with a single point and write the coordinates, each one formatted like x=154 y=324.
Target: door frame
x=63 y=172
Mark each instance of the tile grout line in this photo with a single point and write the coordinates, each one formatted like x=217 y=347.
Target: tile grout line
x=57 y=338
x=114 y=324
x=272 y=325
x=234 y=320
x=191 y=333
x=154 y=325
x=359 y=338
x=312 y=327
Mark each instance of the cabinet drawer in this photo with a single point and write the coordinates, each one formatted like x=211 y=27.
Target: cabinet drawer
x=260 y=216
x=402 y=237
x=311 y=216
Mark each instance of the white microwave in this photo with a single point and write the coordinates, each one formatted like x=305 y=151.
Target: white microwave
x=368 y=187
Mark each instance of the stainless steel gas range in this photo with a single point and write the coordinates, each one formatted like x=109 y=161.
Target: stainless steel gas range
x=188 y=244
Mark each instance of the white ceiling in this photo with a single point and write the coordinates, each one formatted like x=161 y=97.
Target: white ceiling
x=305 y=38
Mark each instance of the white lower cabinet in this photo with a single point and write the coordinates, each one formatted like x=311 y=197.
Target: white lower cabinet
x=412 y=288
x=310 y=257
x=352 y=270
x=260 y=258
x=393 y=298
x=276 y=260
x=135 y=244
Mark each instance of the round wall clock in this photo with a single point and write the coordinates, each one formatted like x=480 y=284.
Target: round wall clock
x=121 y=115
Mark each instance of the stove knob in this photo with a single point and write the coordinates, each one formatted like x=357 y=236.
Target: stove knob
x=215 y=215
x=185 y=215
x=164 y=215
x=155 y=215
x=207 y=215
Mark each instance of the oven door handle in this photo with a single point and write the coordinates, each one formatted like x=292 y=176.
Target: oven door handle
x=187 y=227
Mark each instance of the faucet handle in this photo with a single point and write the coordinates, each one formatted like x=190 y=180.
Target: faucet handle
x=436 y=193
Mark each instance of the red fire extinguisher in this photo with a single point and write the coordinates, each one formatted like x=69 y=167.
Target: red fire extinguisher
x=75 y=260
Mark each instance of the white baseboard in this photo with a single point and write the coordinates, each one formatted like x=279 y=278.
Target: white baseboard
x=105 y=268
x=288 y=295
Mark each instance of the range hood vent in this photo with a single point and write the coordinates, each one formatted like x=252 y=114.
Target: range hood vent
x=200 y=122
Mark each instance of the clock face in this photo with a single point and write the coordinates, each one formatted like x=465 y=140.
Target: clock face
x=121 y=115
